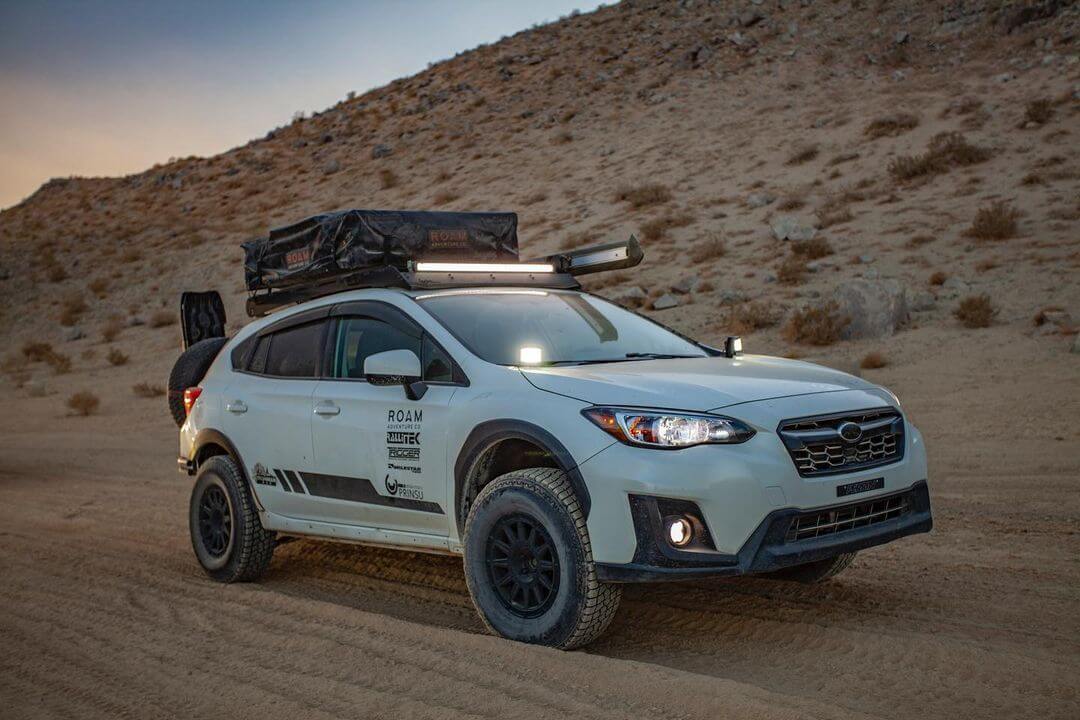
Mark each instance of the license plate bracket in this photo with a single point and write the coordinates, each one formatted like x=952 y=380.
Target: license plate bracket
x=860 y=486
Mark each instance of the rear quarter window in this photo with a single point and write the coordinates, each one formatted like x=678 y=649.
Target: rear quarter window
x=293 y=352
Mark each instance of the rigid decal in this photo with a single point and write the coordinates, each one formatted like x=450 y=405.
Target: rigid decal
x=403 y=432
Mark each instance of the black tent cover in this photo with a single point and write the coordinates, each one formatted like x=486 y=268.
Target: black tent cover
x=335 y=243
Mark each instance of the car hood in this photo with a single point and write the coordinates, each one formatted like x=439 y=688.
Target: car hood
x=699 y=384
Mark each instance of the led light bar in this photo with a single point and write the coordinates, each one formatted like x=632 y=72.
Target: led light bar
x=449 y=267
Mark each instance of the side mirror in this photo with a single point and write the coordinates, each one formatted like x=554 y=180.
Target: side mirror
x=393 y=367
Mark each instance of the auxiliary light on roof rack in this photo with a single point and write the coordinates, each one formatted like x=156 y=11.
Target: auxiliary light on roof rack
x=458 y=267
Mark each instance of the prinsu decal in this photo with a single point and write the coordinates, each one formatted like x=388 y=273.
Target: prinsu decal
x=399 y=489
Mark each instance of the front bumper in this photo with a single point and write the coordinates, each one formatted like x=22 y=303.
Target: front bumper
x=768 y=548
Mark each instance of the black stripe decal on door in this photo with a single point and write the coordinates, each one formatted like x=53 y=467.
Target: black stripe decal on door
x=297 y=486
x=361 y=490
x=281 y=480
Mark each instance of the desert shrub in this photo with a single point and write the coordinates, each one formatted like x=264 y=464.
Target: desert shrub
x=147 y=390
x=802 y=154
x=891 y=125
x=36 y=351
x=745 y=318
x=130 y=255
x=387 y=179
x=792 y=270
x=55 y=273
x=83 y=403
x=997 y=222
x=643 y=195
x=812 y=249
x=99 y=286
x=920 y=240
x=938 y=277
x=71 y=309
x=60 y=364
x=712 y=248
x=112 y=329
x=793 y=202
x=838 y=217
x=536 y=197
x=873 y=361
x=116 y=357
x=1033 y=179
x=976 y=311
x=657 y=228
x=162 y=318
x=820 y=325
x=563 y=137
x=444 y=196
x=945 y=151
x=1039 y=111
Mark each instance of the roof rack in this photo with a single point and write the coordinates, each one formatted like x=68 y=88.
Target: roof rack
x=558 y=271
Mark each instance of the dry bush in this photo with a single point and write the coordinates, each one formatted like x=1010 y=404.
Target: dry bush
x=939 y=277
x=986 y=265
x=891 y=125
x=802 y=154
x=976 y=311
x=1033 y=179
x=36 y=351
x=60 y=364
x=839 y=217
x=820 y=325
x=387 y=179
x=577 y=239
x=812 y=249
x=793 y=202
x=71 y=309
x=920 y=240
x=99 y=286
x=130 y=255
x=83 y=403
x=792 y=270
x=56 y=273
x=997 y=222
x=1039 y=111
x=745 y=318
x=116 y=357
x=536 y=197
x=712 y=248
x=147 y=390
x=945 y=151
x=657 y=228
x=563 y=137
x=873 y=361
x=13 y=363
x=162 y=318
x=112 y=329
x=643 y=195
x=444 y=196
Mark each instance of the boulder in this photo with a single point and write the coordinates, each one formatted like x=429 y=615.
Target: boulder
x=789 y=228
x=686 y=285
x=381 y=150
x=632 y=296
x=921 y=301
x=761 y=199
x=74 y=333
x=665 y=301
x=876 y=307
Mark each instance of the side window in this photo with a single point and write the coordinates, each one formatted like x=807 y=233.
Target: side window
x=436 y=363
x=258 y=357
x=293 y=352
x=360 y=337
x=241 y=354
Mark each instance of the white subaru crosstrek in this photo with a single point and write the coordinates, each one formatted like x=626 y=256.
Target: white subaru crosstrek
x=562 y=444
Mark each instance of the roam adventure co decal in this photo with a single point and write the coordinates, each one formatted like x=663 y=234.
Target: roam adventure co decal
x=404 y=428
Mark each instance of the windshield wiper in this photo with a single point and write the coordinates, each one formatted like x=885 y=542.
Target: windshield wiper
x=658 y=356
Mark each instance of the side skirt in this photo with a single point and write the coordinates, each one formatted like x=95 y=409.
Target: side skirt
x=416 y=542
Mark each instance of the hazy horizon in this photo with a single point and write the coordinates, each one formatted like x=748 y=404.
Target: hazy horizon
x=115 y=87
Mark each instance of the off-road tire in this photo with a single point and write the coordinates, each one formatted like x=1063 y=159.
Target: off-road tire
x=816 y=572
x=582 y=607
x=250 y=546
x=189 y=370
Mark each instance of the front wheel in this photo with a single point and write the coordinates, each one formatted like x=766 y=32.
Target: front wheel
x=528 y=562
x=229 y=541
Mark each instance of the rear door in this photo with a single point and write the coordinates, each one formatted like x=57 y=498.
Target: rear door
x=268 y=412
x=382 y=458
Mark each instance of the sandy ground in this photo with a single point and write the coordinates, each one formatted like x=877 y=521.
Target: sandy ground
x=106 y=613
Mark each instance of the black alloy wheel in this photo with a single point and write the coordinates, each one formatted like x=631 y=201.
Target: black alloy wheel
x=523 y=565
x=215 y=521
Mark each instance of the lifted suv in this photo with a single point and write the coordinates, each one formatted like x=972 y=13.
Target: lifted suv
x=561 y=444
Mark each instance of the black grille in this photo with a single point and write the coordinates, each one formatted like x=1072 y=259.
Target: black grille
x=848 y=517
x=818 y=448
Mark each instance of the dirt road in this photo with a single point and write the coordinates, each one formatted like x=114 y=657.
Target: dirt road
x=106 y=613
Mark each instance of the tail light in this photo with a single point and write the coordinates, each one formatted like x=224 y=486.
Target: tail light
x=191 y=394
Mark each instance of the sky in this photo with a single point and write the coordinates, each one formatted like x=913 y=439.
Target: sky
x=110 y=87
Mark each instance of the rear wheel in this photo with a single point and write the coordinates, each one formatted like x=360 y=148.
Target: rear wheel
x=229 y=541
x=528 y=562
x=816 y=572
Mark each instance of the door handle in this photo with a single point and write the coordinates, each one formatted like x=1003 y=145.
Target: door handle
x=327 y=409
x=236 y=407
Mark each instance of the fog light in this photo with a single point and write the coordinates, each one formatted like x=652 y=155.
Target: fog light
x=680 y=532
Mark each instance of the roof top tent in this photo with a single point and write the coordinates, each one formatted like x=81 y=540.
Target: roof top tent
x=351 y=249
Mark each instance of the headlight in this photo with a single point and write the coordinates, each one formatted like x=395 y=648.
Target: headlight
x=659 y=429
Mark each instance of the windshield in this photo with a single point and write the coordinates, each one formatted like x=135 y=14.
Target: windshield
x=540 y=327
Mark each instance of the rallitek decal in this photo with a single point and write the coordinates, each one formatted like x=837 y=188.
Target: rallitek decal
x=403 y=431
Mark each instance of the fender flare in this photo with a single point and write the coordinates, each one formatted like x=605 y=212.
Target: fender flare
x=209 y=436
x=487 y=434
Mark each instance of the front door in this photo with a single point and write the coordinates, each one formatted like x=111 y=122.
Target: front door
x=382 y=458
